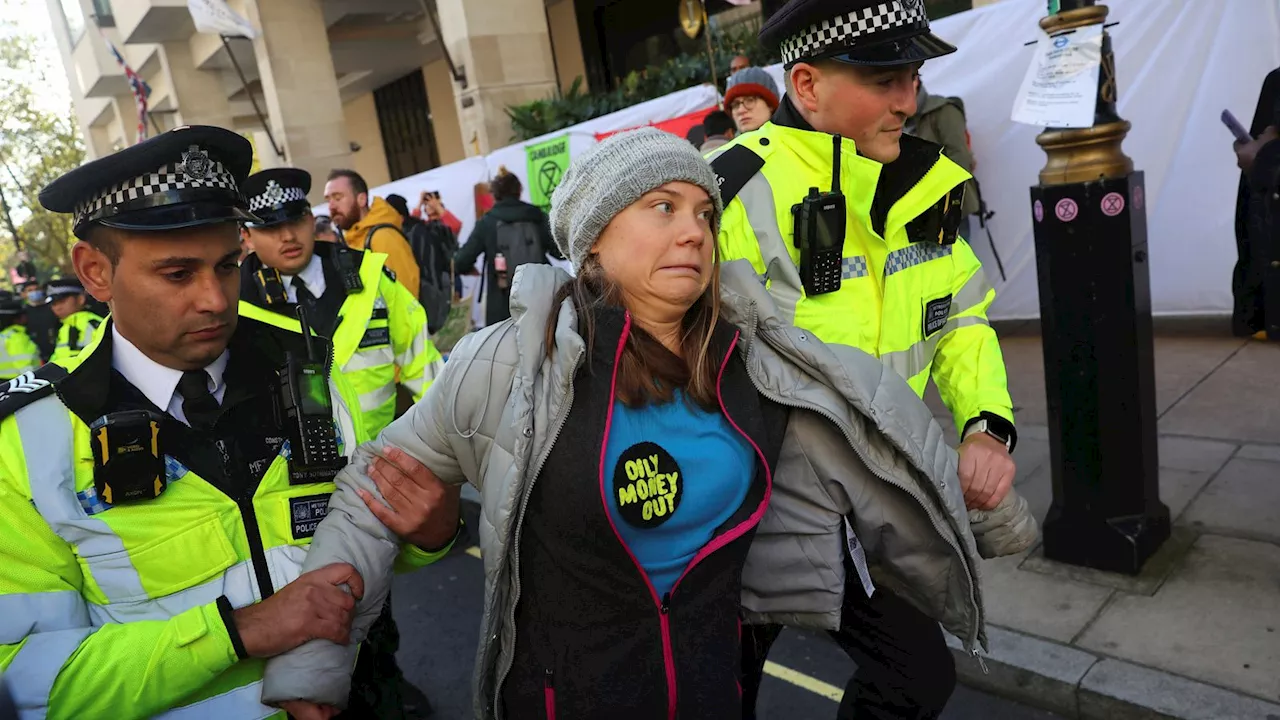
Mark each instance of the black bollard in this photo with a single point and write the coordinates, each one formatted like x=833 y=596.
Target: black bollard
x=1095 y=314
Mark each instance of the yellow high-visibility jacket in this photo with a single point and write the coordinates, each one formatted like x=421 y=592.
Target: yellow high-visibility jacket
x=120 y=610
x=381 y=339
x=918 y=305
x=75 y=334
x=18 y=352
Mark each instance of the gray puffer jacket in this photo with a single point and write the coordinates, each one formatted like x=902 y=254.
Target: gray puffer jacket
x=859 y=443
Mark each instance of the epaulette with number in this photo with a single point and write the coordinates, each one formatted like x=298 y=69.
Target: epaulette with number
x=28 y=388
x=389 y=272
x=734 y=168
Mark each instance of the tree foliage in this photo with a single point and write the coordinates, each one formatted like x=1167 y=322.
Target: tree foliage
x=37 y=144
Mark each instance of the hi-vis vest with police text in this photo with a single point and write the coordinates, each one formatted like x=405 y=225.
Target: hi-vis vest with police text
x=918 y=305
x=111 y=611
x=382 y=339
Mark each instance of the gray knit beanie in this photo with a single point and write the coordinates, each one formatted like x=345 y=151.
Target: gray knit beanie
x=612 y=175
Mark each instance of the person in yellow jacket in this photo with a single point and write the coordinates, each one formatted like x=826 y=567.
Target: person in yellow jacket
x=66 y=297
x=157 y=494
x=18 y=352
x=379 y=330
x=372 y=226
x=852 y=226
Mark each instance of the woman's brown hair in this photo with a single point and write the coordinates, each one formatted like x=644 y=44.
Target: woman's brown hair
x=649 y=373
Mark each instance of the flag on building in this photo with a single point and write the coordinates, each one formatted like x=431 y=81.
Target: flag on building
x=215 y=16
x=139 y=87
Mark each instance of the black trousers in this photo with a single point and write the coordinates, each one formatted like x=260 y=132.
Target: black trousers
x=905 y=671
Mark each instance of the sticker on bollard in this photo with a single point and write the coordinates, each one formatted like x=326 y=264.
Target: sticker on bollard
x=1038 y=210
x=1139 y=195
x=1066 y=210
x=1112 y=204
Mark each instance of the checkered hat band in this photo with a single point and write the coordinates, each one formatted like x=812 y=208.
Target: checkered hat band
x=274 y=197
x=168 y=178
x=842 y=31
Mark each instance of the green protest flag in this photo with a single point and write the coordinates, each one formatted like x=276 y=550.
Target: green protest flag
x=548 y=161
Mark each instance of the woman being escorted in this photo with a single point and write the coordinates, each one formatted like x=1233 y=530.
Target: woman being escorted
x=628 y=428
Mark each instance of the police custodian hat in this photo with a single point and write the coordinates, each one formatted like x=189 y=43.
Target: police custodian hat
x=10 y=304
x=277 y=196
x=880 y=33
x=186 y=177
x=63 y=286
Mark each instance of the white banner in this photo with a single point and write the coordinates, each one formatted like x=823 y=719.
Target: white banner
x=213 y=16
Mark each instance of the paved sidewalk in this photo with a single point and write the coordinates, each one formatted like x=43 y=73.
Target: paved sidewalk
x=1198 y=635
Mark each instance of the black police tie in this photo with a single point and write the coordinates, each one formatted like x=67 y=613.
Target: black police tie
x=198 y=404
x=305 y=298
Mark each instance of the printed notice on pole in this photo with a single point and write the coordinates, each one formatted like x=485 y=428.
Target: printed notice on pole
x=1061 y=87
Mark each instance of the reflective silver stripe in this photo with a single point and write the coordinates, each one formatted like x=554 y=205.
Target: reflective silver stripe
x=780 y=269
x=348 y=440
x=285 y=564
x=369 y=359
x=376 y=398
x=27 y=614
x=912 y=255
x=34 y=669
x=917 y=358
x=416 y=349
x=853 y=267
x=243 y=703
x=973 y=293
x=45 y=426
x=237 y=582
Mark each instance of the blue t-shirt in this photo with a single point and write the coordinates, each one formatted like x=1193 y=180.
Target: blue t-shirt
x=673 y=474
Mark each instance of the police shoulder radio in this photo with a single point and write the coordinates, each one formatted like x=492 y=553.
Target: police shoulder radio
x=819 y=234
x=305 y=409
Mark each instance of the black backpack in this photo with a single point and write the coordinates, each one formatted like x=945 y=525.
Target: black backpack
x=436 y=295
x=519 y=244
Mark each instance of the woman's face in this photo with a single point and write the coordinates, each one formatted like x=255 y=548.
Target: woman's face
x=661 y=250
x=750 y=113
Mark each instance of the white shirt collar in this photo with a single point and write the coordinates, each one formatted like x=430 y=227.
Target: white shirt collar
x=312 y=275
x=157 y=382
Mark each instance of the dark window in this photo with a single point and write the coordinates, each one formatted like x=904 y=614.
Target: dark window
x=74 y=17
x=102 y=13
x=405 y=120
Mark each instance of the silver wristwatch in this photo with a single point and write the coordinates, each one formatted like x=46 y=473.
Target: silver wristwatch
x=984 y=426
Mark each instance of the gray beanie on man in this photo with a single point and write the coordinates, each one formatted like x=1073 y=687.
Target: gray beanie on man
x=612 y=175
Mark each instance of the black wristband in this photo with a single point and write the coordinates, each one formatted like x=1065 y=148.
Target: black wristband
x=229 y=620
x=1000 y=425
x=450 y=541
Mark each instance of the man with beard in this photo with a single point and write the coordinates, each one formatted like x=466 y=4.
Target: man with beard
x=373 y=227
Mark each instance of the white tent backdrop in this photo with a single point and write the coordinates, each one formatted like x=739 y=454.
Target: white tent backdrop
x=1179 y=64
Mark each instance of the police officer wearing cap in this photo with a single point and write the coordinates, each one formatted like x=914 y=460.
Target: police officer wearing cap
x=159 y=491
x=379 y=330
x=78 y=325
x=18 y=352
x=853 y=227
